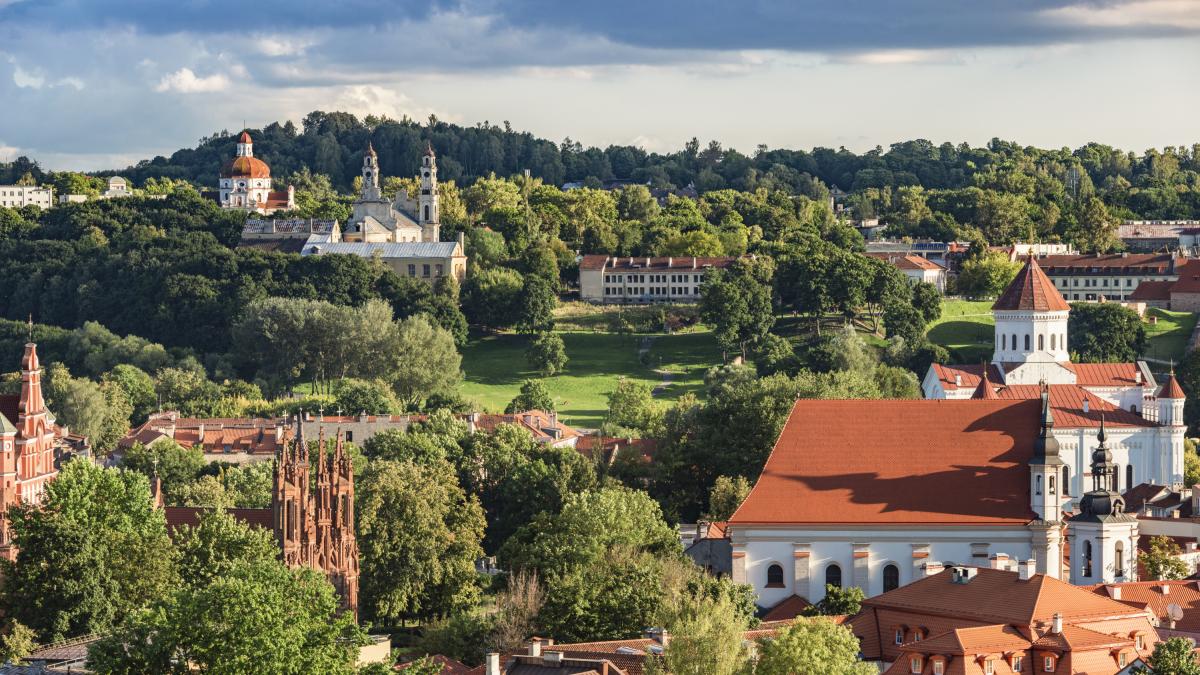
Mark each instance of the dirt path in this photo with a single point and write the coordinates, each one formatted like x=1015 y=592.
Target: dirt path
x=664 y=376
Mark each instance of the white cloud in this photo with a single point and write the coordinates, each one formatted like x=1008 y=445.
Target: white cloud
x=275 y=45
x=27 y=80
x=1139 y=14
x=187 y=82
x=365 y=99
x=896 y=57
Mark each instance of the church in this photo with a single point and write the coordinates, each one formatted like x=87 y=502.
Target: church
x=245 y=183
x=377 y=220
x=28 y=438
x=1008 y=466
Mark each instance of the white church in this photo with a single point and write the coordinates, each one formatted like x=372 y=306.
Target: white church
x=879 y=493
x=377 y=220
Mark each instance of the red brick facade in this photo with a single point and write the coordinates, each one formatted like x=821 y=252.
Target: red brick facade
x=27 y=442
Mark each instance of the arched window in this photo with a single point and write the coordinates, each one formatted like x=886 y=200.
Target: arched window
x=1087 y=559
x=1129 y=477
x=1003 y=341
x=1066 y=481
x=426 y=212
x=1014 y=341
x=833 y=575
x=1133 y=408
x=1037 y=484
x=1041 y=343
x=891 y=578
x=1050 y=484
x=1026 y=342
x=775 y=576
x=1119 y=559
x=1053 y=341
x=1116 y=478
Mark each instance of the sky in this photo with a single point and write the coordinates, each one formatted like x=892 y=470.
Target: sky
x=92 y=85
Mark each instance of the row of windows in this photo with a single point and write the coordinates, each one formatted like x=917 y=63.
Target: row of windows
x=653 y=278
x=412 y=270
x=1118 y=559
x=1066 y=480
x=916 y=665
x=833 y=576
x=1092 y=283
x=1055 y=340
x=654 y=290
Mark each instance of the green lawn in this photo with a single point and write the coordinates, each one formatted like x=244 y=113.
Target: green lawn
x=495 y=367
x=966 y=329
x=1168 y=337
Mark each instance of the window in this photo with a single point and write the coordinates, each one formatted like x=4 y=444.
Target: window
x=939 y=667
x=891 y=578
x=1116 y=478
x=989 y=667
x=1017 y=663
x=914 y=665
x=438 y=270
x=1121 y=659
x=1129 y=474
x=1041 y=343
x=1119 y=559
x=1066 y=481
x=424 y=270
x=349 y=436
x=775 y=576
x=1050 y=484
x=899 y=636
x=833 y=576
x=1037 y=484
x=412 y=270
x=1086 y=569
x=1054 y=341
x=1048 y=664
x=1003 y=341
x=1026 y=343
x=1138 y=643
x=1014 y=340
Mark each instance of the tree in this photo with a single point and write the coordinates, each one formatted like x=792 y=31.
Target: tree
x=491 y=297
x=726 y=495
x=535 y=306
x=736 y=302
x=517 y=609
x=362 y=396
x=1191 y=463
x=233 y=623
x=632 y=410
x=1162 y=562
x=94 y=551
x=811 y=646
x=706 y=636
x=176 y=465
x=987 y=275
x=927 y=301
x=533 y=396
x=1174 y=656
x=17 y=642
x=138 y=388
x=218 y=543
x=98 y=411
x=837 y=602
x=547 y=354
x=465 y=637
x=419 y=536
x=1105 y=333
x=425 y=361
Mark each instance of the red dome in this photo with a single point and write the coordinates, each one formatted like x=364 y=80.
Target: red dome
x=244 y=138
x=250 y=167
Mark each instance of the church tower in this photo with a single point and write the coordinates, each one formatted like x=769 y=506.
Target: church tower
x=427 y=202
x=1045 y=472
x=1031 y=329
x=1103 y=537
x=1171 y=400
x=370 y=175
x=245 y=147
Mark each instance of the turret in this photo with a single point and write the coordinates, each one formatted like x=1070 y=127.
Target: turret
x=427 y=201
x=1170 y=403
x=1045 y=468
x=245 y=147
x=1103 y=536
x=1031 y=319
x=370 y=175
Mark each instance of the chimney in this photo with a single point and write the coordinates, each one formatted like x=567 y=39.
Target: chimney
x=1026 y=569
x=1114 y=592
x=998 y=561
x=492 y=662
x=1165 y=588
x=957 y=380
x=933 y=567
x=553 y=658
x=693 y=262
x=535 y=646
x=670 y=262
x=1056 y=626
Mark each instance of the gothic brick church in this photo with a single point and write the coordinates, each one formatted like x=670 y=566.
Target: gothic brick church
x=28 y=437
x=311 y=513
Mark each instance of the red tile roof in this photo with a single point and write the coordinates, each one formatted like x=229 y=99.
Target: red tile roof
x=1172 y=389
x=907 y=261
x=1112 y=263
x=928 y=461
x=598 y=262
x=1076 y=638
x=788 y=608
x=449 y=665
x=190 y=516
x=1149 y=595
x=968 y=374
x=1105 y=374
x=1066 y=402
x=1189 y=278
x=1152 y=290
x=1031 y=290
x=963 y=641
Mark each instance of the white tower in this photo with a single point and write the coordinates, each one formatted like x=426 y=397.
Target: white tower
x=1171 y=400
x=1031 y=328
x=427 y=201
x=245 y=147
x=370 y=175
x=1103 y=537
x=1045 y=496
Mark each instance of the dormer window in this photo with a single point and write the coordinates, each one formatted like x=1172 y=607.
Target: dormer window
x=914 y=665
x=939 y=667
x=899 y=636
x=1018 y=662
x=1139 y=643
x=1048 y=664
x=989 y=667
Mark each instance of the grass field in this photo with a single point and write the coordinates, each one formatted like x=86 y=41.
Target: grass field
x=965 y=328
x=495 y=367
x=1168 y=337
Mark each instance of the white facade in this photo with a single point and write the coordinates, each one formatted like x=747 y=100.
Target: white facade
x=406 y=220
x=16 y=196
x=1032 y=337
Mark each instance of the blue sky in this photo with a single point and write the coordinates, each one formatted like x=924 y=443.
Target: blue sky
x=89 y=84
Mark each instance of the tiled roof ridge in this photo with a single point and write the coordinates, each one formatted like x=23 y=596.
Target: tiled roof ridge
x=1031 y=290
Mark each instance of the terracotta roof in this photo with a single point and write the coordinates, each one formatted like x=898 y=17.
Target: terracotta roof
x=244 y=138
x=1077 y=638
x=538 y=422
x=1105 y=374
x=1189 y=278
x=249 y=167
x=1149 y=595
x=1172 y=389
x=1066 y=402
x=1111 y=263
x=596 y=262
x=788 y=608
x=907 y=261
x=985 y=390
x=449 y=665
x=968 y=374
x=976 y=640
x=1031 y=290
x=190 y=516
x=929 y=461
x=1152 y=290
x=998 y=596
x=1137 y=496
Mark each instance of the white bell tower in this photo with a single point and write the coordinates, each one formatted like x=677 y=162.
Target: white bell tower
x=427 y=201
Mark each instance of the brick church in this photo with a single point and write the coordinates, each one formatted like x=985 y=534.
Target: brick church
x=311 y=513
x=28 y=438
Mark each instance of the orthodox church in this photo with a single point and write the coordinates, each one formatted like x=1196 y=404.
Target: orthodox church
x=376 y=220
x=245 y=183
x=28 y=438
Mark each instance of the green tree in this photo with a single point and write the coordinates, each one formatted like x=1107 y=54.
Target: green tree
x=1191 y=463
x=1105 y=333
x=811 y=646
x=533 y=396
x=927 y=301
x=1174 y=656
x=1162 y=561
x=547 y=354
x=176 y=465
x=726 y=495
x=218 y=543
x=465 y=637
x=837 y=602
x=736 y=303
x=987 y=275
x=632 y=410
x=94 y=551
x=354 y=396
x=138 y=388
x=535 y=307
x=419 y=536
x=706 y=636
x=17 y=642
x=425 y=361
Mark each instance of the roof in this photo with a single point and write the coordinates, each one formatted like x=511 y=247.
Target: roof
x=976 y=640
x=412 y=249
x=788 y=608
x=245 y=137
x=1152 y=290
x=598 y=262
x=1077 y=638
x=540 y=423
x=1106 y=374
x=1031 y=290
x=1149 y=595
x=998 y=596
x=1172 y=389
x=1137 y=496
x=932 y=461
x=449 y=665
x=1189 y=278
x=1086 y=374
x=1066 y=402
x=907 y=261
x=1111 y=263
x=245 y=166
x=969 y=375
x=190 y=515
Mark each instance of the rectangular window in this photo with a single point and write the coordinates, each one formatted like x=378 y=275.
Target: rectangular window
x=899 y=636
x=914 y=665
x=989 y=667
x=438 y=268
x=1018 y=662
x=424 y=270
x=939 y=667
x=1137 y=642
x=412 y=270
x=1048 y=664
x=349 y=436
x=1121 y=659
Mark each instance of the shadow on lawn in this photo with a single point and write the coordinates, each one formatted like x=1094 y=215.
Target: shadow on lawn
x=958 y=333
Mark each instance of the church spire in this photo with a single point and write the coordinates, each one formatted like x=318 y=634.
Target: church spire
x=370 y=175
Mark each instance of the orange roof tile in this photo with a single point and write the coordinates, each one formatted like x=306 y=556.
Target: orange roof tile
x=931 y=461
x=1189 y=278
x=1066 y=402
x=1076 y=638
x=1031 y=290
x=907 y=261
x=1112 y=263
x=1105 y=374
x=1149 y=595
x=976 y=640
x=1151 y=291
x=1172 y=389
x=788 y=608
x=954 y=376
